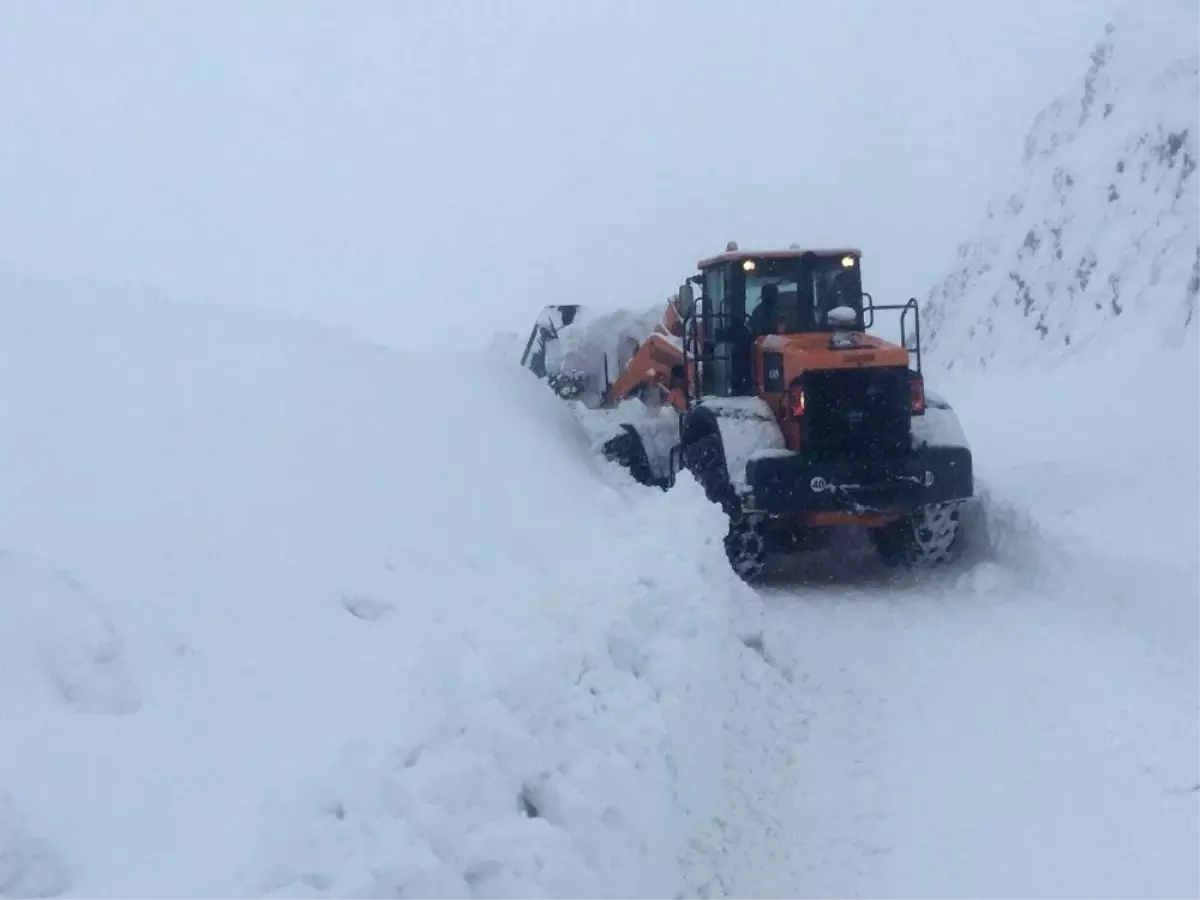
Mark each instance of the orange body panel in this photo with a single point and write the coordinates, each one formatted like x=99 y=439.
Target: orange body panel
x=832 y=519
x=672 y=323
x=650 y=365
x=802 y=352
x=809 y=351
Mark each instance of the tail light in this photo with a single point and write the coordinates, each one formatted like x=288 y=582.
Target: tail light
x=916 y=393
x=796 y=401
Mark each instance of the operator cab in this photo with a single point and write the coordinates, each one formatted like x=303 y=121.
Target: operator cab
x=746 y=296
x=785 y=291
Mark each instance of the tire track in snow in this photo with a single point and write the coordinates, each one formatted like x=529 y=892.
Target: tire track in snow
x=967 y=735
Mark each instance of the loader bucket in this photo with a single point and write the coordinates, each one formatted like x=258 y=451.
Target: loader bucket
x=545 y=330
x=579 y=352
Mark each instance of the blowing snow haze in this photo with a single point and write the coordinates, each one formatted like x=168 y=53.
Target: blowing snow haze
x=277 y=620
x=401 y=168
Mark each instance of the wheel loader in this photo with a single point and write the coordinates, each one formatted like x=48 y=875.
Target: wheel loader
x=761 y=379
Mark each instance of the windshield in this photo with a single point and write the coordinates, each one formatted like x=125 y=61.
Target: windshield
x=794 y=299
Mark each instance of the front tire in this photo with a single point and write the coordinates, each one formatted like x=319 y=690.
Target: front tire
x=745 y=541
x=746 y=545
x=627 y=450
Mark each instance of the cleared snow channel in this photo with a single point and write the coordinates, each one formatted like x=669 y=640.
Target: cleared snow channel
x=1024 y=725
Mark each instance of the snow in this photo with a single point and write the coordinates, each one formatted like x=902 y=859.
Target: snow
x=739 y=407
x=277 y=618
x=939 y=425
x=266 y=653
x=266 y=635
x=1102 y=228
x=657 y=425
x=599 y=342
x=773 y=453
x=775 y=342
x=748 y=427
x=1024 y=724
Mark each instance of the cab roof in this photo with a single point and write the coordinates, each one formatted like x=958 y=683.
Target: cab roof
x=735 y=254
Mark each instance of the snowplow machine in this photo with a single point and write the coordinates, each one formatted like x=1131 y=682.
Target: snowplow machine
x=761 y=378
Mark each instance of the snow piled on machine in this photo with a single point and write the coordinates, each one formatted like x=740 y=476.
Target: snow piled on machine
x=656 y=424
x=594 y=345
x=748 y=430
x=580 y=351
x=1100 y=236
x=938 y=426
x=278 y=620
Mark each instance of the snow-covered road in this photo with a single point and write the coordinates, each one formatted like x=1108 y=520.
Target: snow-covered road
x=978 y=744
x=1024 y=726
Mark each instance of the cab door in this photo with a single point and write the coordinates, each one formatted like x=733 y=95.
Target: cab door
x=716 y=375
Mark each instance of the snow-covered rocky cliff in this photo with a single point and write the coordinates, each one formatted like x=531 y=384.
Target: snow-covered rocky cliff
x=1099 y=238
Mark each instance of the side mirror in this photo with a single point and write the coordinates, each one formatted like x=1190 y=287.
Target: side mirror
x=687 y=300
x=842 y=317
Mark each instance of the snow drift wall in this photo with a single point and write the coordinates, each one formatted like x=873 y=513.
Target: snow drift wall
x=285 y=613
x=1100 y=236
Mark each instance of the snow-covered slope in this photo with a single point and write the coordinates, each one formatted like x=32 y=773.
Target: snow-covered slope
x=1100 y=236
x=282 y=612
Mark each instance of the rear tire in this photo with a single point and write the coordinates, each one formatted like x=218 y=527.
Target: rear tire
x=926 y=538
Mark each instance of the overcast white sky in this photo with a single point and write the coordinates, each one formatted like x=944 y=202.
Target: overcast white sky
x=397 y=167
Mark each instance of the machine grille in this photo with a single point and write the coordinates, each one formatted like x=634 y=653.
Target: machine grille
x=857 y=415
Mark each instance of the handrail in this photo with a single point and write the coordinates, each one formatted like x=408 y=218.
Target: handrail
x=904 y=308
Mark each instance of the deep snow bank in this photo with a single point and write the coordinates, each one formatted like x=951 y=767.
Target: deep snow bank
x=282 y=612
x=1101 y=231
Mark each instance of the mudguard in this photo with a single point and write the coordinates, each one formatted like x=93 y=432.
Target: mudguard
x=748 y=428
